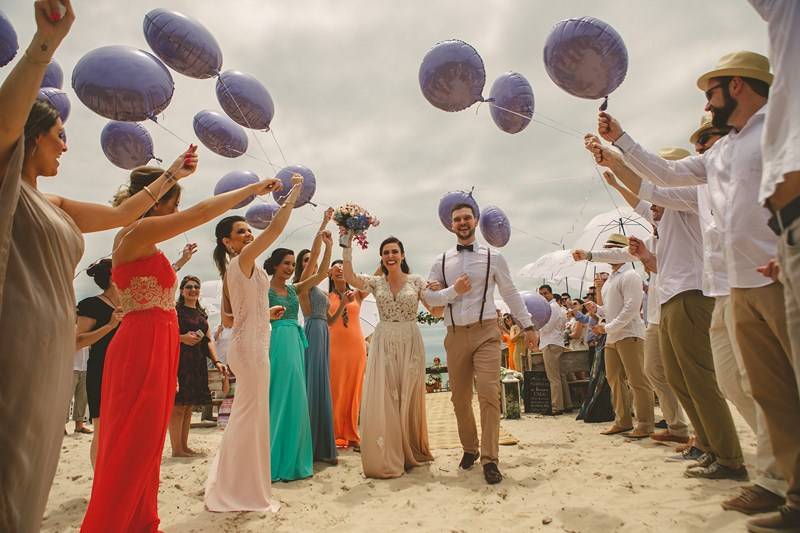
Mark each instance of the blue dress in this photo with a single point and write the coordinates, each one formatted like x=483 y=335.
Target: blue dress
x=291 y=453
x=318 y=383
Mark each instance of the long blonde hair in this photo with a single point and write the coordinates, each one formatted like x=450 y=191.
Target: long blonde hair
x=141 y=177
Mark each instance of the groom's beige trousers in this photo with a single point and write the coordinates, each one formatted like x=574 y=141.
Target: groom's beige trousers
x=473 y=355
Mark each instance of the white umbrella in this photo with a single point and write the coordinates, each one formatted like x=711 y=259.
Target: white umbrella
x=211 y=296
x=559 y=266
x=622 y=220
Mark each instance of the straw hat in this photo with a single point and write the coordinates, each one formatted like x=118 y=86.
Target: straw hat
x=705 y=125
x=616 y=240
x=673 y=154
x=743 y=64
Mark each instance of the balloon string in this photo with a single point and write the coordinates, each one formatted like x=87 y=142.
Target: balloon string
x=252 y=132
x=597 y=169
x=526 y=117
x=558 y=123
x=272 y=132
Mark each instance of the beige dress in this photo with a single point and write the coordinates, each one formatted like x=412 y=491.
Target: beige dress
x=394 y=429
x=40 y=247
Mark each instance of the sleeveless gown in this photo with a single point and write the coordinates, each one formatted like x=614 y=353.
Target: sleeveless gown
x=239 y=477
x=348 y=361
x=138 y=391
x=290 y=438
x=318 y=385
x=39 y=249
x=394 y=428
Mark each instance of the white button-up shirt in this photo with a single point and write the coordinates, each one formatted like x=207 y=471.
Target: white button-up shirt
x=466 y=308
x=81 y=359
x=781 y=138
x=732 y=170
x=553 y=331
x=622 y=300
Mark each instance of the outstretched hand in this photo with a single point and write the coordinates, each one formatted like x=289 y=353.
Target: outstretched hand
x=602 y=155
x=186 y=163
x=54 y=19
x=267 y=185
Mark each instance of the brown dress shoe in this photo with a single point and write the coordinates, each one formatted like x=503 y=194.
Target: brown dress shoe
x=786 y=520
x=666 y=436
x=754 y=500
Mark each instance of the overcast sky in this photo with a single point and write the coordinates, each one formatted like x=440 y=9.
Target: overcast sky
x=343 y=76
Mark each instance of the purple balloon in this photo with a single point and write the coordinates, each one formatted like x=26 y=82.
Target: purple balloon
x=245 y=100
x=586 y=57
x=8 y=41
x=220 y=134
x=452 y=75
x=538 y=307
x=58 y=99
x=512 y=92
x=495 y=227
x=309 y=184
x=53 y=76
x=182 y=43
x=451 y=200
x=123 y=83
x=236 y=180
x=260 y=215
x=126 y=144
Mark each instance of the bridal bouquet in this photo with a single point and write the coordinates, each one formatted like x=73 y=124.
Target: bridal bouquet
x=353 y=218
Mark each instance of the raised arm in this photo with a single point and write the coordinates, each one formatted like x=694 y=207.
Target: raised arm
x=91 y=217
x=675 y=198
x=347 y=268
x=21 y=87
x=316 y=246
x=324 y=267
x=248 y=255
x=152 y=230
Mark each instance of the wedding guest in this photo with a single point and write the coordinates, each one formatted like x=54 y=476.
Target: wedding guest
x=79 y=392
x=551 y=341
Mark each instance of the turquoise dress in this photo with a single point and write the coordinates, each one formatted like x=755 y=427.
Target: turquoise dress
x=318 y=382
x=291 y=453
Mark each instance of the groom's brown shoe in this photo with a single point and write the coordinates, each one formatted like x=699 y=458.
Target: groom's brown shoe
x=492 y=474
x=468 y=460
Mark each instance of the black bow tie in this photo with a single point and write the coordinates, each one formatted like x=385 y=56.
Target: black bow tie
x=468 y=247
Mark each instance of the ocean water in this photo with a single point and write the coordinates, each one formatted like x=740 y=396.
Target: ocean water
x=433 y=337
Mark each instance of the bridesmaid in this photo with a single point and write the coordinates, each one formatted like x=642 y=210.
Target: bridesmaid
x=41 y=243
x=98 y=318
x=348 y=357
x=196 y=346
x=140 y=375
x=393 y=420
x=314 y=304
x=239 y=477
x=290 y=437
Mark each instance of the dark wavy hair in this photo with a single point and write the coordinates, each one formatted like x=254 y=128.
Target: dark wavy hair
x=403 y=264
x=331 y=284
x=42 y=117
x=275 y=259
x=182 y=303
x=140 y=178
x=298 y=270
x=100 y=272
x=222 y=231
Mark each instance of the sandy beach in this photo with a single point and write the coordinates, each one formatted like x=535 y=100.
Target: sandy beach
x=561 y=476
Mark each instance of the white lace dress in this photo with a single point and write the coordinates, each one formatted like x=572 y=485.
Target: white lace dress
x=394 y=429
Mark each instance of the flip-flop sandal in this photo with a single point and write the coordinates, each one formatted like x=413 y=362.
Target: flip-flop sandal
x=616 y=431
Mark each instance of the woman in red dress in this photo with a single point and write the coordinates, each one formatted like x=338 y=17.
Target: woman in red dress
x=140 y=374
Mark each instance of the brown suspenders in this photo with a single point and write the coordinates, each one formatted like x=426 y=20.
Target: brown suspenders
x=485 y=284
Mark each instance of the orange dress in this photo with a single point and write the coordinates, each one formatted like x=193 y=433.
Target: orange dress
x=348 y=363
x=512 y=348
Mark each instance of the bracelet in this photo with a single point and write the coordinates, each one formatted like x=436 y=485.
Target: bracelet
x=148 y=191
x=174 y=267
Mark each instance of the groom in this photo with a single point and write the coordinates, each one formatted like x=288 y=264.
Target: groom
x=469 y=273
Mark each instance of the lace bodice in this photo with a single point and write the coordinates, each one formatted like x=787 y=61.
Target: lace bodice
x=146 y=283
x=319 y=303
x=400 y=308
x=290 y=302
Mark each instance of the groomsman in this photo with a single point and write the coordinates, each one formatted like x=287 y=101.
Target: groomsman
x=470 y=272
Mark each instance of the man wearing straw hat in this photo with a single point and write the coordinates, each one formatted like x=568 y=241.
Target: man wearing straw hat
x=624 y=351
x=736 y=91
x=767 y=494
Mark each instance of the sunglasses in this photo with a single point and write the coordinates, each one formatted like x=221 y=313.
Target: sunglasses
x=710 y=92
x=190 y=287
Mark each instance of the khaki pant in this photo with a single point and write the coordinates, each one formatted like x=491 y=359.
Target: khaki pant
x=473 y=355
x=654 y=371
x=625 y=366
x=689 y=365
x=759 y=316
x=735 y=386
x=560 y=397
x=79 y=396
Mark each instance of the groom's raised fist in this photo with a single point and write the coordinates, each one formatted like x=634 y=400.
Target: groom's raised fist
x=463 y=284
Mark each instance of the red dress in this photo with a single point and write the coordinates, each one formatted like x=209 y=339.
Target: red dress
x=139 y=380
